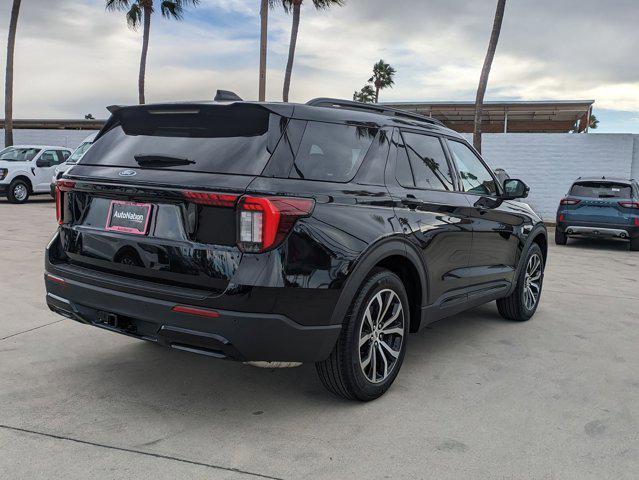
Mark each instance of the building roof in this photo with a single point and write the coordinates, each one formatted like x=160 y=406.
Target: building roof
x=540 y=116
x=55 y=124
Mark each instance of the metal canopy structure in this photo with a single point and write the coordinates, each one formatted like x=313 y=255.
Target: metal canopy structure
x=551 y=116
x=53 y=124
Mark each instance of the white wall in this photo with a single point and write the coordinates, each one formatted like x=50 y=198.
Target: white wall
x=549 y=163
x=61 y=138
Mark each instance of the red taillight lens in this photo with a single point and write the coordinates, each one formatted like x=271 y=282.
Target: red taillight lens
x=200 y=312
x=211 y=199
x=263 y=222
x=569 y=201
x=61 y=186
x=629 y=204
x=561 y=217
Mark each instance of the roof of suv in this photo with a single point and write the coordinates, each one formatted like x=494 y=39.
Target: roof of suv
x=324 y=109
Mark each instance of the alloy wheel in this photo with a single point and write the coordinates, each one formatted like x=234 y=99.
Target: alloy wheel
x=381 y=335
x=532 y=281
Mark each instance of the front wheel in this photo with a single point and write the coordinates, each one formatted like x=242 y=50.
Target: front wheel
x=522 y=304
x=18 y=192
x=372 y=344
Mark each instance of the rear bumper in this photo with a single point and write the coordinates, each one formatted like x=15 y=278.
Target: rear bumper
x=598 y=229
x=233 y=335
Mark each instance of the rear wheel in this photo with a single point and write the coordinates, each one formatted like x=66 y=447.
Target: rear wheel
x=522 y=304
x=560 y=238
x=18 y=191
x=372 y=344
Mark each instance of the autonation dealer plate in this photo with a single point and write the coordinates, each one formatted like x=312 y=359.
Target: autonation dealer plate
x=128 y=217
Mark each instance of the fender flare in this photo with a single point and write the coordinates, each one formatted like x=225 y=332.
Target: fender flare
x=534 y=233
x=387 y=247
x=20 y=174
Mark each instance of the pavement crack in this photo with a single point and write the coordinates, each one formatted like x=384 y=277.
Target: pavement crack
x=32 y=329
x=139 y=452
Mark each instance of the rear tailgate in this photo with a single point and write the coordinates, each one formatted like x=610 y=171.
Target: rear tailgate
x=154 y=198
x=599 y=202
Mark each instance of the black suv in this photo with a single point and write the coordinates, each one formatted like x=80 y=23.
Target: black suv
x=276 y=234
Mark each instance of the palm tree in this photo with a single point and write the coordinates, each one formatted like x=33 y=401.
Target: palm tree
x=296 y=6
x=594 y=122
x=140 y=12
x=485 y=72
x=8 y=86
x=365 y=95
x=382 y=77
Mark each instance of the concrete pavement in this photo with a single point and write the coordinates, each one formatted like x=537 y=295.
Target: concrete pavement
x=478 y=397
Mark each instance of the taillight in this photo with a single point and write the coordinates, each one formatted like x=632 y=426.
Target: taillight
x=629 y=204
x=569 y=201
x=211 y=199
x=263 y=222
x=61 y=186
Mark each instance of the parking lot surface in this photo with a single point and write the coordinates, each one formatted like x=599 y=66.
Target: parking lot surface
x=478 y=396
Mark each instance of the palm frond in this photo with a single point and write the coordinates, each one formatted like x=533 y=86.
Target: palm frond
x=175 y=9
x=326 y=4
x=118 y=5
x=134 y=16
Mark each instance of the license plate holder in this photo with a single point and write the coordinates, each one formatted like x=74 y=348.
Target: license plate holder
x=128 y=217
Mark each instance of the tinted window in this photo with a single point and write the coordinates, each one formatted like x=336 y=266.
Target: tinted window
x=601 y=190
x=332 y=152
x=475 y=176
x=222 y=139
x=404 y=173
x=50 y=156
x=430 y=168
x=13 y=154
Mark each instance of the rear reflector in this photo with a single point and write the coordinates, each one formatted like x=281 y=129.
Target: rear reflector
x=200 y=312
x=569 y=201
x=54 y=279
x=263 y=222
x=211 y=199
x=561 y=217
x=629 y=204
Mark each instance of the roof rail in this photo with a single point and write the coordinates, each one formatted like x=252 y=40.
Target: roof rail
x=371 y=107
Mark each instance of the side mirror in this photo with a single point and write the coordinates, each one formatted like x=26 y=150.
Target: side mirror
x=43 y=163
x=514 y=188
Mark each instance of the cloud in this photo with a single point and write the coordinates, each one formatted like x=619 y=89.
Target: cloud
x=74 y=58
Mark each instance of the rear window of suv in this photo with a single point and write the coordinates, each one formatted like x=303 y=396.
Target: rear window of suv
x=220 y=139
x=601 y=190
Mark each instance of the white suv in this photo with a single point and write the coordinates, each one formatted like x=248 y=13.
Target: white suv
x=27 y=169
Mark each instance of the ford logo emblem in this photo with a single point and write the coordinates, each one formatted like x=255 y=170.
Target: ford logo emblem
x=127 y=173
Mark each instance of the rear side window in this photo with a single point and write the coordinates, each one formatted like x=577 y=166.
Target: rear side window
x=331 y=152
x=428 y=162
x=235 y=139
x=601 y=190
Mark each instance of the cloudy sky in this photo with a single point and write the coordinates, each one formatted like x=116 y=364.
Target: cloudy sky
x=73 y=57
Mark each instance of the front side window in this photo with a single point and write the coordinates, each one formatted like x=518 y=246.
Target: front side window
x=428 y=162
x=16 y=154
x=475 y=176
x=332 y=152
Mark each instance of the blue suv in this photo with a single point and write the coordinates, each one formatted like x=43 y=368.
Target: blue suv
x=600 y=207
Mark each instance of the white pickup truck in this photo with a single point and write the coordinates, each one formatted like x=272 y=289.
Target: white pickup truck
x=27 y=169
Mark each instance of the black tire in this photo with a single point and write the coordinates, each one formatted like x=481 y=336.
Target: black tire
x=342 y=373
x=560 y=238
x=514 y=307
x=634 y=245
x=14 y=195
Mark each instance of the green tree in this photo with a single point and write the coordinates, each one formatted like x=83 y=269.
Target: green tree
x=296 y=6
x=140 y=12
x=383 y=77
x=594 y=122
x=365 y=95
x=485 y=72
x=8 y=82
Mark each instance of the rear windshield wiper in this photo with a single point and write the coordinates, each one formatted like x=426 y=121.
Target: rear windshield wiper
x=161 y=161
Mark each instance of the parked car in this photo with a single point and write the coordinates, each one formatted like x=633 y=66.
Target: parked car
x=26 y=170
x=270 y=232
x=600 y=207
x=77 y=154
